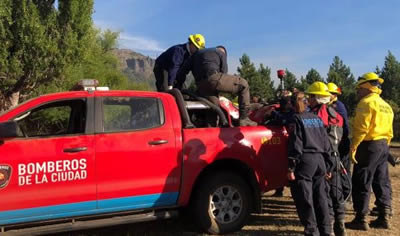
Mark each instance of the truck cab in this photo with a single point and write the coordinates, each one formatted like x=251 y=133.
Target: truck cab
x=89 y=155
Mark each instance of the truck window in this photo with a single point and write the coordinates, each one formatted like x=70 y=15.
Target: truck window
x=58 y=118
x=126 y=113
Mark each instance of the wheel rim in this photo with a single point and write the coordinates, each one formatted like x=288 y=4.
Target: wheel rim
x=226 y=204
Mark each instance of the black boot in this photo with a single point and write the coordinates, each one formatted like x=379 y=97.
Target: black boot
x=278 y=192
x=359 y=222
x=382 y=221
x=244 y=120
x=338 y=227
x=375 y=212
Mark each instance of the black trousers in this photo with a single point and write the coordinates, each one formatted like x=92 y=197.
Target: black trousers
x=161 y=78
x=233 y=84
x=371 y=170
x=309 y=192
x=336 y=195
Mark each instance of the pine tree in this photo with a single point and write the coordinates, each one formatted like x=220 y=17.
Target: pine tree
x=259 y=79
x=341 y=75
x=312 y=76
x=303 y=84
x=391 y=74
x=268 y=91
x=246 y=70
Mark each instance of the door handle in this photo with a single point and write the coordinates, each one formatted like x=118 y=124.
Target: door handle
x=73 y=150
x=158 y=142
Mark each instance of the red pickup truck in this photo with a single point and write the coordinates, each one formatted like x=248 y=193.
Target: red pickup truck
x=80 y=159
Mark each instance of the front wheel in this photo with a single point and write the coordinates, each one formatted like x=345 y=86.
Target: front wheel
x=222 y=203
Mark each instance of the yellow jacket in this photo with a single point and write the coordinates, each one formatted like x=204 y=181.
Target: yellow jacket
x=373 y=120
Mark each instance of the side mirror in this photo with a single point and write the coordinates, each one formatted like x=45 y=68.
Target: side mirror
x=8 y=129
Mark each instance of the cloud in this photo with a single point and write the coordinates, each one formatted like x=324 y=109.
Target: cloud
x=139 y=43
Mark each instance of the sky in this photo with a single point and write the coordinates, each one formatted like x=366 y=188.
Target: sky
x=281 y=34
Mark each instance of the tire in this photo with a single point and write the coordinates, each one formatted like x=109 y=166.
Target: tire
x=222 y=203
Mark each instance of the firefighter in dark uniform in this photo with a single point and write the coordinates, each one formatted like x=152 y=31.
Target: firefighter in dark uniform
x=319 y=98
x=280 y=116
x=309 y=164
x=169 y=62
x=344 y=146
x=209 y=68
x=372 y=131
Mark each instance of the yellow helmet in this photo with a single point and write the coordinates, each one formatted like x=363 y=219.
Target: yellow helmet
x=333 y=88
x=198 y=40
x=318 y=88
x=368 y=77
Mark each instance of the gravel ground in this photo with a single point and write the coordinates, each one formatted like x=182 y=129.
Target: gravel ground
x=279 y=218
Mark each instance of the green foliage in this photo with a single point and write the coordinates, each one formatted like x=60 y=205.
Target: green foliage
x=247 y=70
x=259 y=79
x=396 y=122
x=391 y=74
x=54 y=120
x=45 y=49
x=38 y=43
x=391 y=88
x=99 y=63
x=341 y=75
x=267 y=90
x=311 y=77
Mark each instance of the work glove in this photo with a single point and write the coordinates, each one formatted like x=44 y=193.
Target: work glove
x=353 y=155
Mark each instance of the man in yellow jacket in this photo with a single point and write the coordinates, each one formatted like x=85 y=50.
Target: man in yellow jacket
x=372 y=131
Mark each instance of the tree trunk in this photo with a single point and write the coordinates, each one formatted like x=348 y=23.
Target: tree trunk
x=8 y=102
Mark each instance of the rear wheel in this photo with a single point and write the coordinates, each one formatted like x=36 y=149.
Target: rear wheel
x=222 y=203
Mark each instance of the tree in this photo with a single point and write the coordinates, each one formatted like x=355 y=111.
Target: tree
x=303 y=85
x=39 y=42
x=267 y=85
x=247 y=70
x=311 y=77
x=99 y=63
x=391 y=74
x=341 y=75
x=391 y=88
x=259 y=79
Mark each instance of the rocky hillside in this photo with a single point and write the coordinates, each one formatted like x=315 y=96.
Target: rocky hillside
x=137 y=67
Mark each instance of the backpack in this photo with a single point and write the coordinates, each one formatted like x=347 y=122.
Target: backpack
x=333 y=123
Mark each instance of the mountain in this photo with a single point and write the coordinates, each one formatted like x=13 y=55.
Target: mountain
x=137 y=67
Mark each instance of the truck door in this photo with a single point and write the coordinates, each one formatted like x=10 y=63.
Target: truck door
x=137 y=162
x=50 y=166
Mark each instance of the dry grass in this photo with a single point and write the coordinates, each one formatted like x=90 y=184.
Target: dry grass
x=279 y=218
